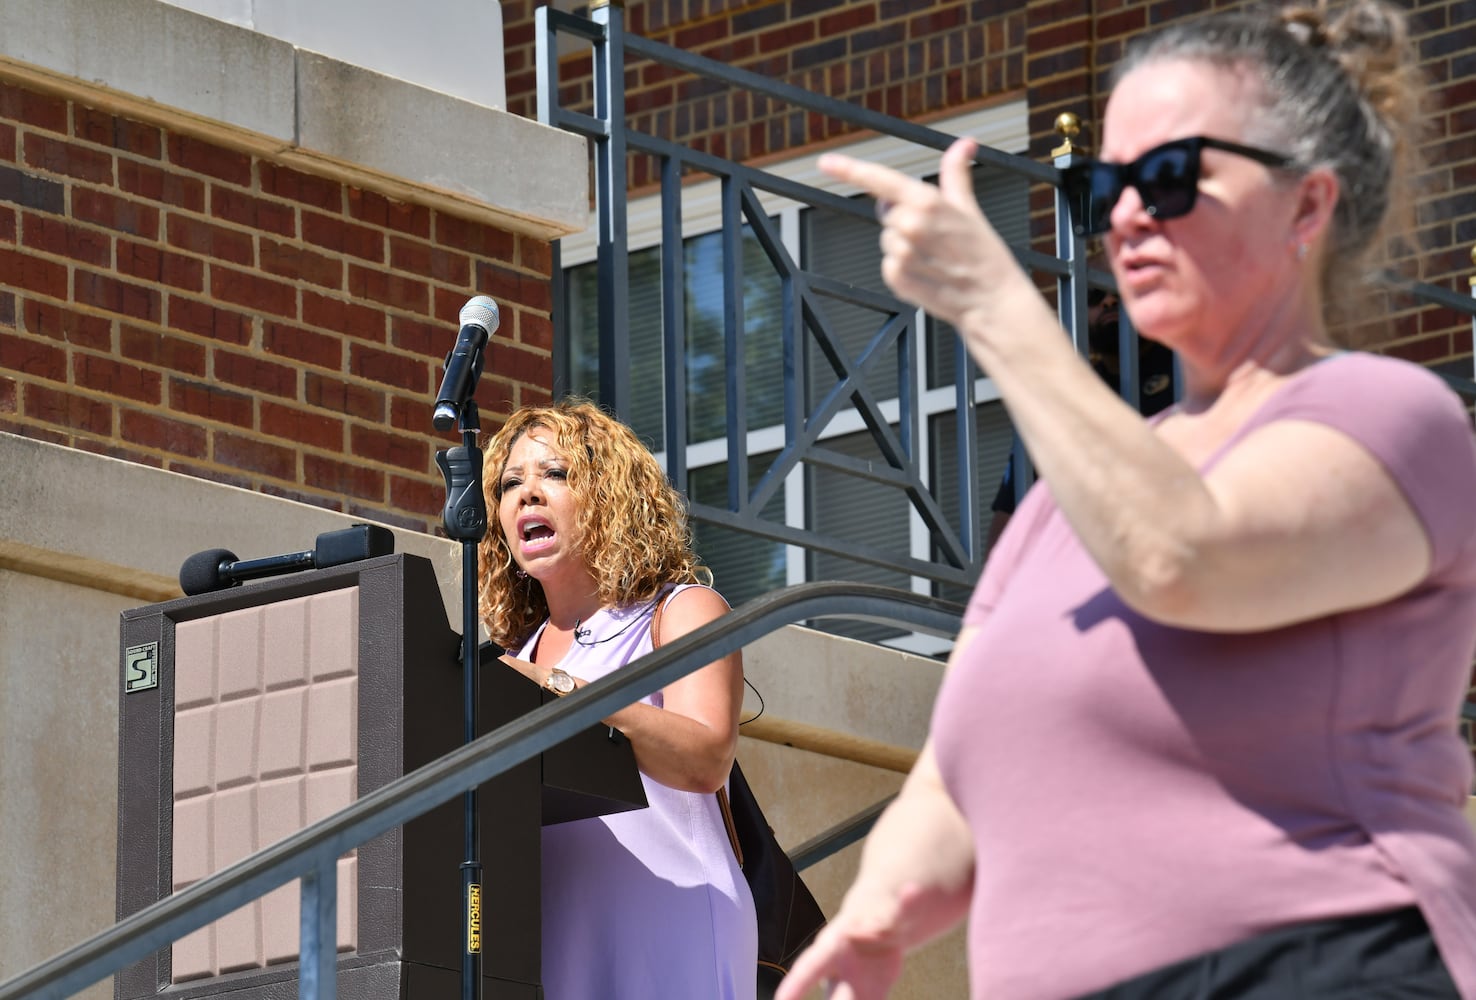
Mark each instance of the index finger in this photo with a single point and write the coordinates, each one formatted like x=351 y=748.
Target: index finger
x=808 y=971
x=882 y=183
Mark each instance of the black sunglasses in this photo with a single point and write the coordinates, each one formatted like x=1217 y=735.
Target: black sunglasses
x=1167 y=179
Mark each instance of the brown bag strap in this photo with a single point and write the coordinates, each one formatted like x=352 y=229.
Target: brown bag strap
x=656 y=621
x=722 y=793
x=727 y=811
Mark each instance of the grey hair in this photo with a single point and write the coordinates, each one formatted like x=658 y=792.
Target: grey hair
x=1340 y=92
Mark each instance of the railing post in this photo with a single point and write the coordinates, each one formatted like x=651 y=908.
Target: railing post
x=546 y=55
x=971 y=500
x=673 y=325
x=610 y=183
x=735 y=383
x=318 y=947
x=1071 y=301
x=1071 y=288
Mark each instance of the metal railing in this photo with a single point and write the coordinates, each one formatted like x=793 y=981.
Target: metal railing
x=956 y=541
x=310 y=855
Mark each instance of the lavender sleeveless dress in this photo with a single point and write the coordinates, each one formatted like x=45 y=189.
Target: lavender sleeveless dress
x=648 y=904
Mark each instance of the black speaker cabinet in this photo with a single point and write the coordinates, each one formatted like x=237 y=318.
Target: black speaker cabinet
x=249 y=713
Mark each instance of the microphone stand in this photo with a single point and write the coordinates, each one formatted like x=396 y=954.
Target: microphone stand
x=465 y=519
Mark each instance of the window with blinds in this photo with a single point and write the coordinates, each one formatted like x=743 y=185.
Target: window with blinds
x=846 y=248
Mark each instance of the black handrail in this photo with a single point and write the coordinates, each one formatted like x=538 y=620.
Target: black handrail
x=310 y=854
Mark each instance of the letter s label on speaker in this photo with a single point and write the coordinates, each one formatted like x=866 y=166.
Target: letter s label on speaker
x=141 y=668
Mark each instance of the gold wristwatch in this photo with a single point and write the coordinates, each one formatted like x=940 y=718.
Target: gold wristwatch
x=559 y=682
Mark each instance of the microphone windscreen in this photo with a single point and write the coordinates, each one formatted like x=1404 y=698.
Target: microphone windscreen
x=200 y=573
x=482 y=311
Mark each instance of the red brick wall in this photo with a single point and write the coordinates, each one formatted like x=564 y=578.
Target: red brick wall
x=920 y=60
x=1082 y=58
x=906 y=58
x=1447 y=213
x=185 y=305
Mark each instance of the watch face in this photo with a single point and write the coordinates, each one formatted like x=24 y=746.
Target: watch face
x=559 y=682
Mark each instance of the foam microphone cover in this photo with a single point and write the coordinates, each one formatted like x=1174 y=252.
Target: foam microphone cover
x=200 y=573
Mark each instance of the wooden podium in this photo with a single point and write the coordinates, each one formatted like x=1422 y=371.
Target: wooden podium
x=248 y=713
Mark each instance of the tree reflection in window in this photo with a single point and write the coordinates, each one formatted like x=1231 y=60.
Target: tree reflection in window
x=761 y=341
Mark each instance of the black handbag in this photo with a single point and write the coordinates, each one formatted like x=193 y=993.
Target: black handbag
x=788 y=916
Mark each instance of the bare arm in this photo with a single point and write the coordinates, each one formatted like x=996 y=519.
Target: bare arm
x=1261 y=541
x=691 y=742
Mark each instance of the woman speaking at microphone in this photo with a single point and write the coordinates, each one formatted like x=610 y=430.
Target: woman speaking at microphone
x=588 y=541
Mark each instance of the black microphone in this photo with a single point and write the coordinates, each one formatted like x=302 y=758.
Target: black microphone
x=479 y=320
x=219 y=569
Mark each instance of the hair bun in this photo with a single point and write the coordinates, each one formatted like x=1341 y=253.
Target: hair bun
x=1367 y=36
x=1368 y=27
x=1371 y=42
x=1305 y=24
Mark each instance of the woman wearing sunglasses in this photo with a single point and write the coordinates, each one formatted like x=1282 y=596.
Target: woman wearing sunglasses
x=1198 y=736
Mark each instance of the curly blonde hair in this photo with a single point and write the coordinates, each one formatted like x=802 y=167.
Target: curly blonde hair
x=632 y=525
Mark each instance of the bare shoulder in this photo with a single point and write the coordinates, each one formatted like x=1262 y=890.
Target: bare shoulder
x=690 y=608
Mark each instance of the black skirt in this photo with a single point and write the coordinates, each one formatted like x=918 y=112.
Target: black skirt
x=1379 y=956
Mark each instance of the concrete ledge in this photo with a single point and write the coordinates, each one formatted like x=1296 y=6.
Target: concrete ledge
x=451 y=46
x=125 y=529
x=812 y=681
x=161 y=54
x=181 y=70
x=354 y=115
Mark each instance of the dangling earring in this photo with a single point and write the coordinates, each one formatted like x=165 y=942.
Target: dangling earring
x=521 y=573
